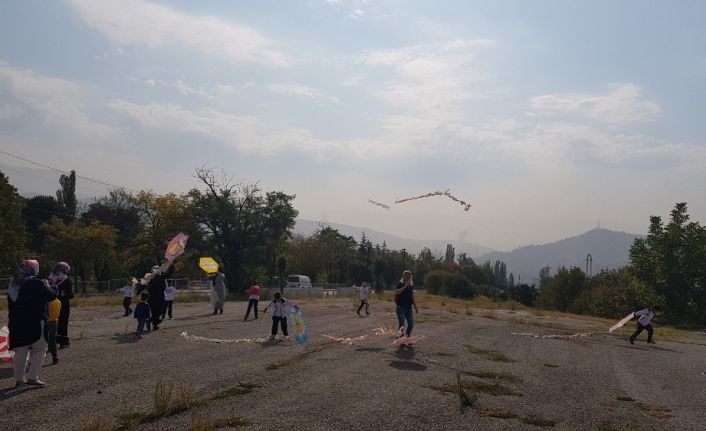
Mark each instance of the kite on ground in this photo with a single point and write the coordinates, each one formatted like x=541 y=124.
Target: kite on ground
x=6 y=354
x=300 y=332
x=625 y=320
x=407 y=341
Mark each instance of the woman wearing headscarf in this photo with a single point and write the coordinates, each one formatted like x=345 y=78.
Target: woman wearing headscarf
x=27 y=298
x=59 y=280
x=218 y=291
x=156 y=281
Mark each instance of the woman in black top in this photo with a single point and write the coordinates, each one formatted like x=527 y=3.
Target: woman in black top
x=27 y=299
x=404 y=298
x=59 y=280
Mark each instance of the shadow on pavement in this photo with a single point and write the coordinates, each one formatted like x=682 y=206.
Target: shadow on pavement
x=408 y=366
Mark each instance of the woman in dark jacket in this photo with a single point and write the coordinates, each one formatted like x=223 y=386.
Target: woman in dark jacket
x=59 y=280
x=27 y=299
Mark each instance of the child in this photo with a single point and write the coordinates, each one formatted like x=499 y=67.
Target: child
x=142 y=314
x=128 y=292
x=644 y=317
x=169 y=295
x=53 y=309
x=363 y=292
x=254 y=292
x=280 y=308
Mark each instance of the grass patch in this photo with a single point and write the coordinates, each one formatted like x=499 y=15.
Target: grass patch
x=624 y=399
x=296 y=359
x=494 y=375
x=538 y=421
x=241 y=389
x=202 y=424
x=496 y=412
x=659 y=412
x=465 y=399
x=491 y=355
x=550 y=325
x=477 y=387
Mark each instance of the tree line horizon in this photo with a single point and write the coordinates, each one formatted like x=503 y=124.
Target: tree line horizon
x=249 y=232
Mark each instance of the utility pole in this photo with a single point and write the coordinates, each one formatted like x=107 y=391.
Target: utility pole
x=589 y=264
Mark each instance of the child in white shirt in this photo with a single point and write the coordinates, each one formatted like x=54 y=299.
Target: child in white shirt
x=363 y=292
x=169 y=295
x=280 y=308
x=128 y=292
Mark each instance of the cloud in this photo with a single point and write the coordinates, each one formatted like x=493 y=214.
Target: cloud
x=303 y=91
x=10 y=111
x=622 y=105
x=433 y=79
x=61 y=102
x=139 y=22
x=183 y=88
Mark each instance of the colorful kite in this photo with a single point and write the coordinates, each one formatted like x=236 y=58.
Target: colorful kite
x=379 y=204
x=407 y=341
x=6 y=354
x=208 y=264
x=446 y=193
x=300 y=332
x=176 y=246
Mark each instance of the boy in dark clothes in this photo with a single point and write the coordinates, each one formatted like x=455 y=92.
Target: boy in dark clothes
x=142 y=314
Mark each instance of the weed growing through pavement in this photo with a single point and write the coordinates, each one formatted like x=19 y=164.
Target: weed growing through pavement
x=492 y=355
x=659 y=412
x=464 y=398
x=205 y=424
x=538 y=421
x=494 y=375
x=296 y=359
x=624 y=399
x=241 y=389
x=496 y=412
x=477 y=387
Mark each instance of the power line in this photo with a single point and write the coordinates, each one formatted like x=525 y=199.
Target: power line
x=67 y=173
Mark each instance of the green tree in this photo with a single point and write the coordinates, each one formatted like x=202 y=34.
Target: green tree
x=66 y=196
x=672 y=261
x=12 y=227
x=565 y=287
x=450 y=254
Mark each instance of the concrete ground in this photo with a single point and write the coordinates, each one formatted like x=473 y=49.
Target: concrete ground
x=512 y=378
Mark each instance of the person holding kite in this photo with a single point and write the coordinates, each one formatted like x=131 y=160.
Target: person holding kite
x=280 y=308
x=644 y=317
x=218 y=291
x=156 y=285
x=59 y=280
x=27 y=298
x=404 y=298
x=254 y=292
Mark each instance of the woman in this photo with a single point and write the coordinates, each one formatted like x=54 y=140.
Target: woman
x=218 y=291
x=27 y=298
x=404 y=298
x=59 y=280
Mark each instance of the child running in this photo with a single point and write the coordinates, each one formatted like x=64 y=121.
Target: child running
x=363 y=292
x=128 y=292
x=280 y=308
x=142 y=314
x=53 y=311
x=169 y=295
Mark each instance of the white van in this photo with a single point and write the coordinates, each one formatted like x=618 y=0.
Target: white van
x=298 y=281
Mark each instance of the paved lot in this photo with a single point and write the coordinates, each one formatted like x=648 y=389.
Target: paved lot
x=596 y=382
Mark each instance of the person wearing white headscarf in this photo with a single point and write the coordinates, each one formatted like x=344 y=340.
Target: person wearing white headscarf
x=27 y=299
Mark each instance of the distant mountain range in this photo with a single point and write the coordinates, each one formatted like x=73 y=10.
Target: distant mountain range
x=609 y=249
x=413 y=246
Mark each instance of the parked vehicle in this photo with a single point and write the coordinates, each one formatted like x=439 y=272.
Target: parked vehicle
x=298 y=281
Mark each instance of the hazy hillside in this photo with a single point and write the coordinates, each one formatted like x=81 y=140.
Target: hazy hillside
x=609 y=249
x=307 y=227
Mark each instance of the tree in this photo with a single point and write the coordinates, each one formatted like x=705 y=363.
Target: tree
x=37 y=211
x=88 y=248
x=244 y=227
x=565 y=287
x=12 y=227
x=66 y=196
x=672 y=261
x=450 y=254
x=121 y=210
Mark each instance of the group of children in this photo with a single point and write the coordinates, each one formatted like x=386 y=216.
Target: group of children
x=143 y=312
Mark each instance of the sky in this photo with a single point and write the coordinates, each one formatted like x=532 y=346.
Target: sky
x=548 y=117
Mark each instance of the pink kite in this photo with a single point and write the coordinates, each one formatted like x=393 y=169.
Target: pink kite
x=407 y=341
x=176 y=246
